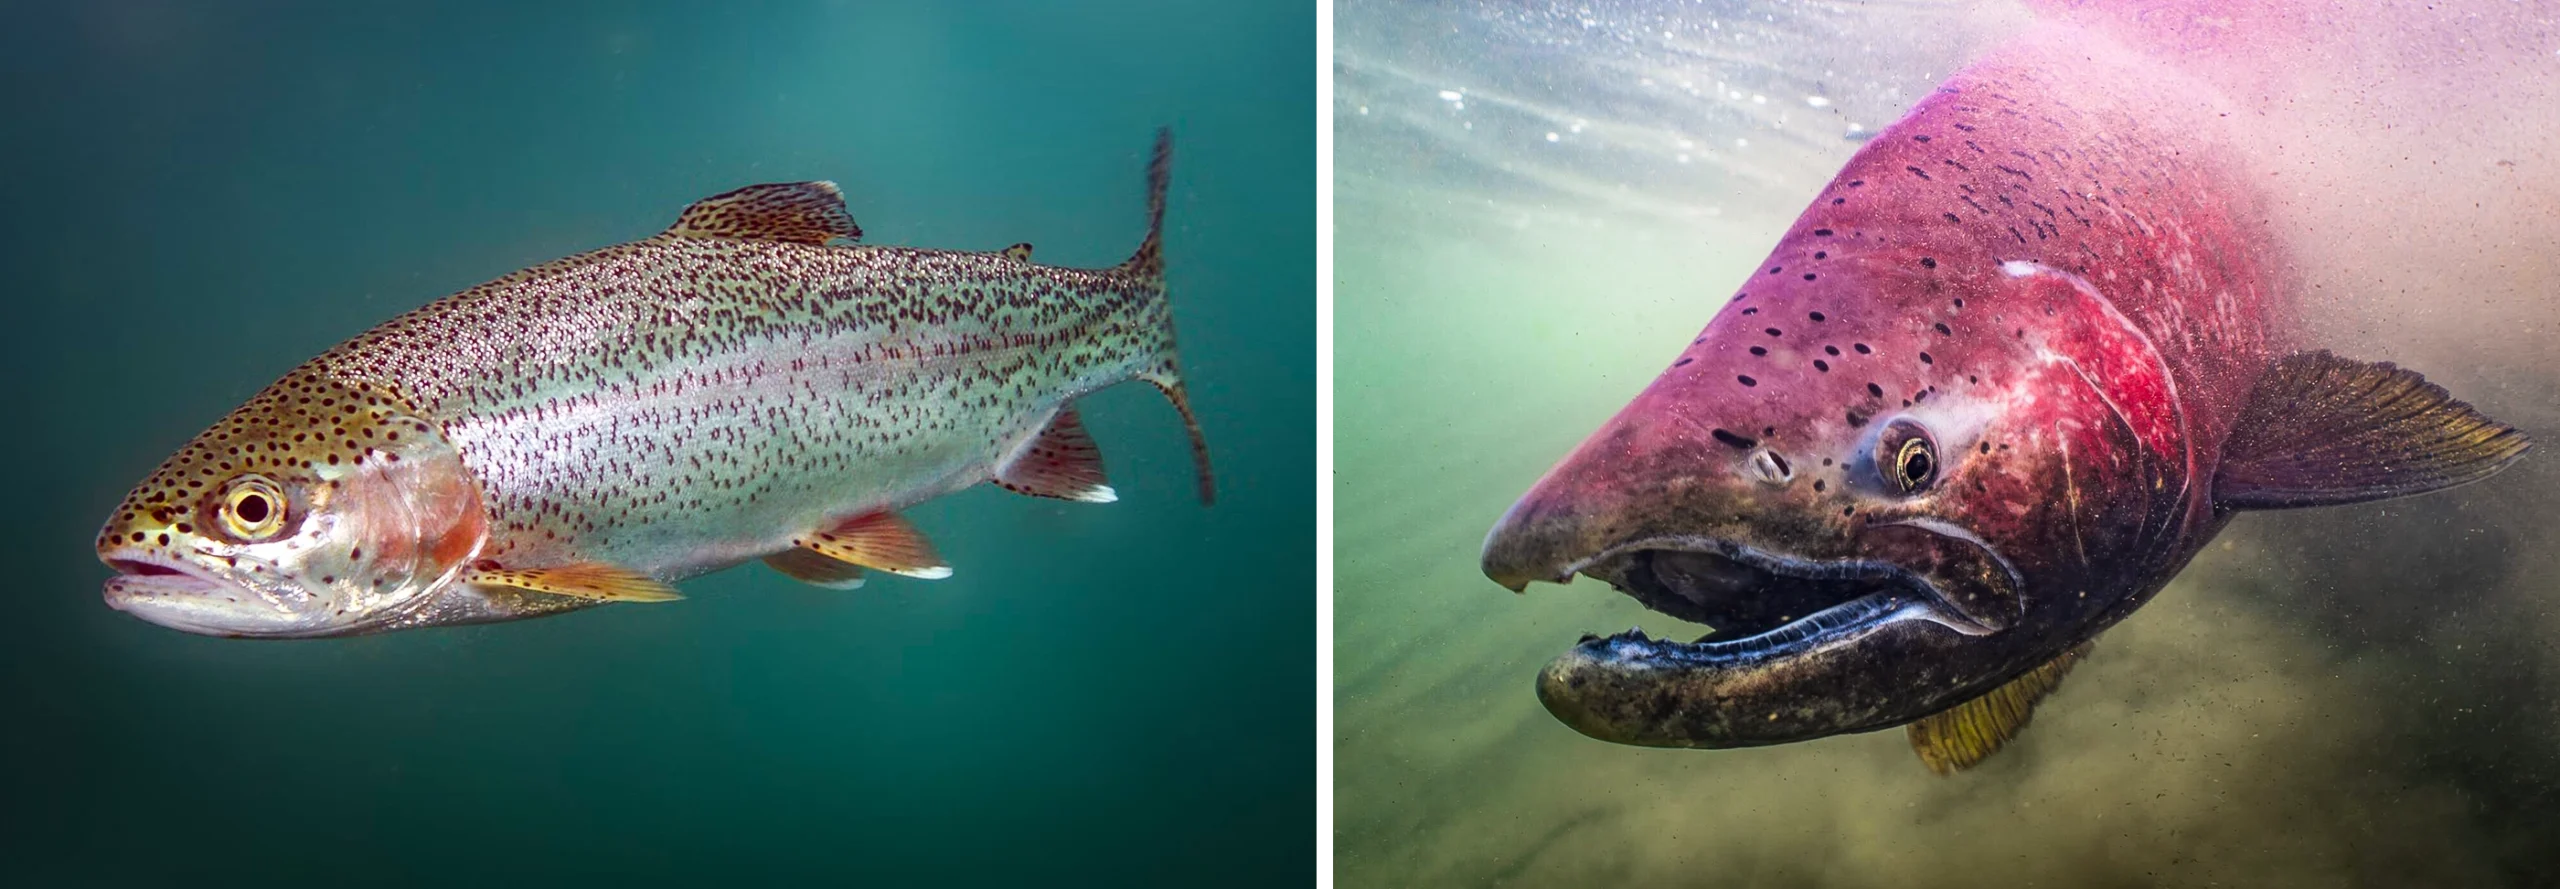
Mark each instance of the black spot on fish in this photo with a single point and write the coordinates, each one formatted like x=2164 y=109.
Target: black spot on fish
x=1754 y=310
x=1821 y=365
x=1925 y=359
x=1822 y=232
x=1862 y=349
x=1942 y=328
x=1739 y=442
x=1768 y=431
x=1773 y=331
x=1759 y=350
x=1814 y=315
x=1875 y=390
x=1776 y=269
x=1682 y=362
x=1808 y=276
x=1928 y=263
x=1855 y=183
x=1922 y=139
x=1959 y=302
x=1832 y=350
x=1822 y=254
x=1916 y=171
x=1951 y=217
x=1747 y=381
x=1817 y=486
x=1857 y=419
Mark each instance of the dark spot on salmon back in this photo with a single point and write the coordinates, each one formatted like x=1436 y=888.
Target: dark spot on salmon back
x=1737 y=441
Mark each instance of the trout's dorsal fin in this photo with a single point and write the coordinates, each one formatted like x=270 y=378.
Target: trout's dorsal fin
x=1019 y=253
x=2321 y=430
x=1061 y=461
x=807 y=566
x=800 y=212
x=1958 y=738
x=879 y=540
x=584 y=580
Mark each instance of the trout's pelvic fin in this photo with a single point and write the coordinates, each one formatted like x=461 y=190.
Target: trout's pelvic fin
x=878 y=540
x=799 y=212
x=584 y=580
x=1019 y=253
x=811 y=568
x=1959 y=738
x=2320 y=430
x=1061 y=462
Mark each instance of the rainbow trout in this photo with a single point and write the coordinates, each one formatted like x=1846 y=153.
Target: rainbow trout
x=2019 y=361
x=741 y=386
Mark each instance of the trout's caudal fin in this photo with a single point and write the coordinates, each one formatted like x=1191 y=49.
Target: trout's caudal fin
x=1147 y=268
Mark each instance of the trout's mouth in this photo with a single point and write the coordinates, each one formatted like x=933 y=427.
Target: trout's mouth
x=1756 y=599
x=180 y=596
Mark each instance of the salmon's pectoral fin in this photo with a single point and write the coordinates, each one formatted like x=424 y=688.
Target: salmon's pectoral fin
x=799 y=212
x=1962 y=736
x=584 y=580
x=808 y=567
x=2320 y=430
x=878 y=540
x=1061 y=461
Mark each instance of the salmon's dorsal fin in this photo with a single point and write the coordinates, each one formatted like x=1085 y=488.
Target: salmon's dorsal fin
x=1061 y=461
x=881 y=541
x=2320 y=430
x=798 y=212
x=807 y=566
x=584 y=580
x=1962 y=736
x=1020 y=253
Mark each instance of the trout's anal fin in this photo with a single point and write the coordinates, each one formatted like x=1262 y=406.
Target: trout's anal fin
x=1019 y=253
x=809 y=567
x=2320 y=430
x=584 y=580
x=798 y=212
x=1061 y=461
x=1958 y=738
x=878 y=540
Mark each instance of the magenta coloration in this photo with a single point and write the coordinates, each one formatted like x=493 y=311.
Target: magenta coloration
x=1970 y=412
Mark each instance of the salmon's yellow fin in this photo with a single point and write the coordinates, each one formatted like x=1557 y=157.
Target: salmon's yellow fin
x=1963 y=736
x=1061 y=461
x=584 y=580
x=798 y=212
x=1019 y=253
x=879 y=540
x=811 y=568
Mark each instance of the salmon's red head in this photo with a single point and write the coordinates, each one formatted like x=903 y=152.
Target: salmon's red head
x=322 y=507
x=1890 y=475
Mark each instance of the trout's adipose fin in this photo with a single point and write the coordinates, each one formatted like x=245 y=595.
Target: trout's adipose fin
x=1060 y=462
x=1020 y=253
x=1959 y=738
x=798 y=212
x=2320 y=430
x=584 y=580
x=809 y=567
x=879 y=540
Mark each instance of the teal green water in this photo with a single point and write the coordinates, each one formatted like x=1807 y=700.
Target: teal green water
x=204 y=195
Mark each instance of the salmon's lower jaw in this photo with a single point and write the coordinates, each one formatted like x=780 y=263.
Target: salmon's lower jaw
x=1785 y=627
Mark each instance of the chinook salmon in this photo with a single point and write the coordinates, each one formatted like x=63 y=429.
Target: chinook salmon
x=2018 y=362
x=740 y=386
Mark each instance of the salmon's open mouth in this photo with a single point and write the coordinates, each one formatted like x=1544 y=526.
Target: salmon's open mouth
x=1757 y=600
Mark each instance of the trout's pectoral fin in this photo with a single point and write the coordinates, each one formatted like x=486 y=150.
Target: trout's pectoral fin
x=584 y=580
x=2320 y=430
x=1061 y=461
x=799 y=212
x=878 y=540
x=808 y=567
x=1963 y=736
x=1019 y=253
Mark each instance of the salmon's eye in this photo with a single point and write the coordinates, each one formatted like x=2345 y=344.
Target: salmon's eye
x=1907 y=458
x=251 y=508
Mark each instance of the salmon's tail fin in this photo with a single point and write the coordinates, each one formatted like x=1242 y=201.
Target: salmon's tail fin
x=1146 y=267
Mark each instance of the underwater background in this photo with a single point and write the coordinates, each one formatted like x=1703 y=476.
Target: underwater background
x=204 y=195
x=1538 y=204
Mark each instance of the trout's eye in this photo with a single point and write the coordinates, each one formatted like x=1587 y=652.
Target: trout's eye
x=1907 y=458
x=251 y=508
